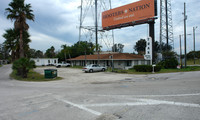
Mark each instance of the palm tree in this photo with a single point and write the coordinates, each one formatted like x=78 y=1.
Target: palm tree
x=20 y=12
x=50 y=53
x=12 y=42
x=65 y=50
x=39 y=54
x=98 y=46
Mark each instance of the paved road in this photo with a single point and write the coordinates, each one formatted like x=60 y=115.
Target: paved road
x=101 y=96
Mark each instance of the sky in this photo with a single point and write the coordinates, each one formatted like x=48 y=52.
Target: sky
x=57 y=22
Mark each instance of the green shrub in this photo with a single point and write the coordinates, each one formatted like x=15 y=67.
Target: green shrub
x=169 y=63
x=147 y=68
x=162 y=64
x=157 y=68
x=22 y=66
x=143 y=68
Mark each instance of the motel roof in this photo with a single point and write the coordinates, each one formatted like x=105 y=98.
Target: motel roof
x=119 y=56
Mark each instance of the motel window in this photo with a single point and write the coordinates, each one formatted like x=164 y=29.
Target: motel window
x=54 y=61
x=148 y=62
x=38 y=60
x=142 y=62
x=49 y=61
x=128 y=63
x=136 y=62
x=119 y=63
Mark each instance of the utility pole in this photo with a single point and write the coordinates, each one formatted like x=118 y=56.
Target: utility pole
x=96 y=29
x=112 y=31
x=185 y=18
x=194 y=41
x=85 y=58
x=180 y=52
x=161 y=17
x=81 y=21
x=152 y=35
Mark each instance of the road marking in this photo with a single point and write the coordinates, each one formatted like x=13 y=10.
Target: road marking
x=119 y=104
x=144 y=102
x=140 y=102
x=169 y=103
x=80 y=107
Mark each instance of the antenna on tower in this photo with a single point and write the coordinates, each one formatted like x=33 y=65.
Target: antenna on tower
x=166 y=25
x=90 y=23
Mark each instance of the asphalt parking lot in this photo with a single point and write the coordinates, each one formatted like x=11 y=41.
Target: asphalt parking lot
x=101 y=96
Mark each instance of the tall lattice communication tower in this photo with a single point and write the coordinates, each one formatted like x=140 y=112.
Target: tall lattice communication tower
x=87 y=28
x=166 y=25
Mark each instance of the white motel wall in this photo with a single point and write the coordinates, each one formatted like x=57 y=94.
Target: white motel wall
x=45 y=61
x=118 y=64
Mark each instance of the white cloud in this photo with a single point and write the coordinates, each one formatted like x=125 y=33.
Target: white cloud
x=42 y=41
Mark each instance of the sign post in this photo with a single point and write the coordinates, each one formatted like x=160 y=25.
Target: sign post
x=141 y=12
x=152 y=35
x=149 y=50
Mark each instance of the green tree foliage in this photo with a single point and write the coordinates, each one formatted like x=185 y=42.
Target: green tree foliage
x=168 y=55
x=32 y=53
x=39 y=54
x=64 y=53
x=79 y=48
x=22 y=66
x=4 y=54
x=118 y=48
x=50 y=53
x=1 y=52
x=82 y=48
x=20 y=12
x=140 y=46
x=11 y=42
x=156 y=46
x=169 y=63
x=99 y=47
x=191 y=54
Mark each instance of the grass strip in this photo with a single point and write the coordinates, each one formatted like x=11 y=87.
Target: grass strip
x=132 y=71
x=33 y=77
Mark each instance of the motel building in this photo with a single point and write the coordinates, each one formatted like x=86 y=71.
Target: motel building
x=120 y=60
x=45 y=61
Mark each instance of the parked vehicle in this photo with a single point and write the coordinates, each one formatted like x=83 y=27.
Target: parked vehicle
x=62 y=65
x=93 y=68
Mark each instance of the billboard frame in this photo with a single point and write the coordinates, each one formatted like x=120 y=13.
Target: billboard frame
x=150 y=21
x=132 y=23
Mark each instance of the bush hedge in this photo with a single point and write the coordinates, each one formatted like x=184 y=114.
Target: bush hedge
x=169 y=63
x=146 y=68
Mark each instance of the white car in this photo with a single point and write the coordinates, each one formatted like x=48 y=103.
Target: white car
x=93 y=68
x=62 y=65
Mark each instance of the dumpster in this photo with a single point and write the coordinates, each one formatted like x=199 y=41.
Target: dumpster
x=50 y=73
